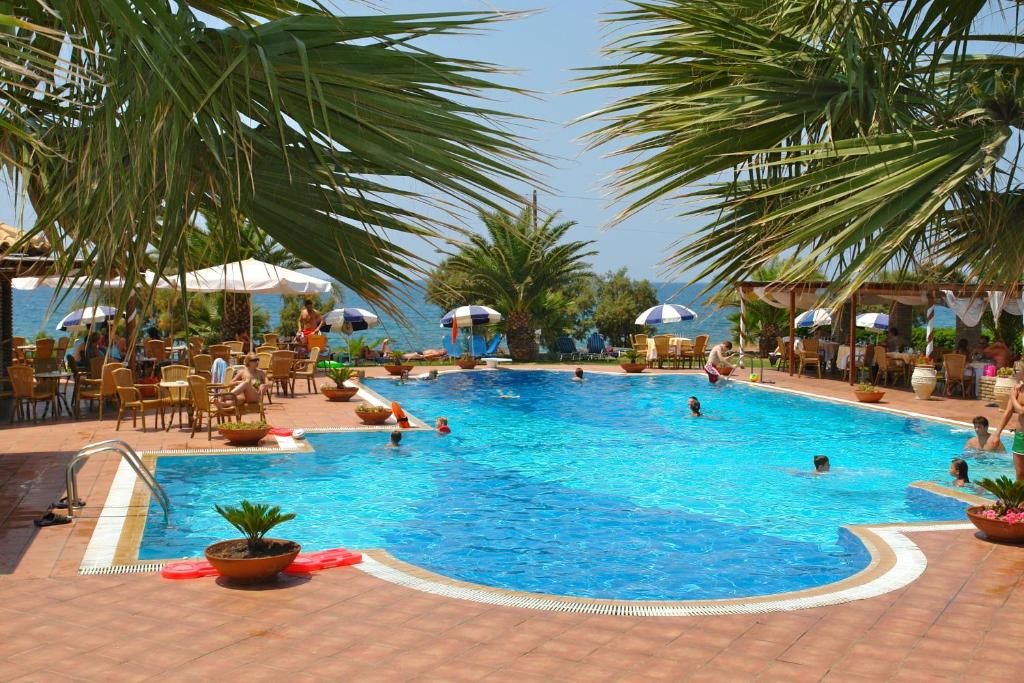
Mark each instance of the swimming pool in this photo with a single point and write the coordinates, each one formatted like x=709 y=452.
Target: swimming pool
x=595 y=489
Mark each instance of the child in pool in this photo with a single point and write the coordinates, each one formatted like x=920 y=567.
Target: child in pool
x=694 y=405
x=958 y=470
x=396 y=439
x=821 y=464
x=442 y=426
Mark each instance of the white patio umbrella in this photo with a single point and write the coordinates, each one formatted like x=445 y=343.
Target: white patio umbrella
x=351 y=320
x=468 y=316
x=665 y=313
x=815 y=317
x=877 y=322
x=250 y=277
x=84 y=317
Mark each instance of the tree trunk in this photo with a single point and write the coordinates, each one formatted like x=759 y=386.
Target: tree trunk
x=521 y=343
x=236 y=315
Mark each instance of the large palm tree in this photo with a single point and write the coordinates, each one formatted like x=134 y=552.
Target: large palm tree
x=123 y=119
x=858 y=134
x=519 y=266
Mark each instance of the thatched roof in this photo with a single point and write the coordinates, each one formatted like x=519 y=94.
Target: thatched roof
x=9 y=235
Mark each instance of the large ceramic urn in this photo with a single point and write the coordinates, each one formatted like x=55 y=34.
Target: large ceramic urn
x=923 y=381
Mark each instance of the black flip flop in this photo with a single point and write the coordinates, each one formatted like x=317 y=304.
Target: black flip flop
x=52 y=519
x=62 y=504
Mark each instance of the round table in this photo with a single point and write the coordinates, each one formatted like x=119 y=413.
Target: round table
x=57 y=375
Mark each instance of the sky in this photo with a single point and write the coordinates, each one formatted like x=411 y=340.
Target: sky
x=543 y=49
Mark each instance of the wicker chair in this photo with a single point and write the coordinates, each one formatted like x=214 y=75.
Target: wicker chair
x=18 y=354
x=954 y=366
x=175 y=397
x=27 y=394
x=281 y=364
x=888 y=370
x=270 y=339
x=221 y=351
x=130 y=398
x=202 y=405
x=202 y=364
x=306 y=369
x=235 y=346
x=697 y=354
x=44 y=349
x=808 y=357
x=99 y=389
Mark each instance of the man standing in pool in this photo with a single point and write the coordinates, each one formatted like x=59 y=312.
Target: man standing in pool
x=980 y=440
x=1015 y=405
x=718 y=361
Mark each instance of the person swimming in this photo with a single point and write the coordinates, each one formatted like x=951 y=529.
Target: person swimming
x=694 y=405
x=442 y=426
x=577 y=375
x=396 y=439
x=502 y=394
x=958 y=470
x=821 y=464
x=980 y=440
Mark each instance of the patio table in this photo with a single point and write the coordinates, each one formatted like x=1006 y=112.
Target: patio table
x=58 y=375
x=977 y=368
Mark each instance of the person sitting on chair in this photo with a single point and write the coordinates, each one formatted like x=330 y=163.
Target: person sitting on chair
x=246 y=385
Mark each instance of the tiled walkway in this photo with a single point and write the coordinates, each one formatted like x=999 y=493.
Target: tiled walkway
x=962 y=620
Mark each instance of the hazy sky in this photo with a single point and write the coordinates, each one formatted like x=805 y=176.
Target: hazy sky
x=544 y=48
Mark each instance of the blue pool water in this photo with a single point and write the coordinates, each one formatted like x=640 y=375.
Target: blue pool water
x=599 y=489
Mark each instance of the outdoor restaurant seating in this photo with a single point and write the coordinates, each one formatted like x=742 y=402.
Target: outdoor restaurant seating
x=270 y=339
x=954 y=367
x=129 y=396
x=697 y=354
x=175 y=397
x=17 y=353
x=27 y=394
x=236 y=347
x=306 y=369
x=808 y=356
x=266 y=348
x=44 y=349
x=202 y=364
x=888 y=368
x=101 y=389
x=221 y=351
x=62 y=349
x=280 y=375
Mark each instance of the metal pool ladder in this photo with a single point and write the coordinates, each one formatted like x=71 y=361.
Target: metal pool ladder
x=128 y=454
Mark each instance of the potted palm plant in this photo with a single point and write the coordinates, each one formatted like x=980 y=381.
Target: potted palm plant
x=868 y=393
x=254 y=558
x=397 y=365
x=632 y=362
x=1003 y=521
x=339 y=392
x=372 y=414
x=244 y=433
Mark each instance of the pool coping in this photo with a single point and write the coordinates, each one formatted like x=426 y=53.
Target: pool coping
x=895 y=560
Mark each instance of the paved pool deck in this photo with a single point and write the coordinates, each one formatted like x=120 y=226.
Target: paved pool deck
x=963 y=619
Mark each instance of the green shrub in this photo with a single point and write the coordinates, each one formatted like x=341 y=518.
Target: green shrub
x=1008 y=492
x=254 y=521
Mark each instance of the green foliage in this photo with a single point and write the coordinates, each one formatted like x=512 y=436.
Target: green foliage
x=861 y=135
x=611 y=302
x=867 y=388
x=1009 y=493
x=631 y=355
x=396 y=356
x=944 y=338
x=526 y=272
x=254 y=521
x=340 y=375
x=204 y=314
x=291 y=308
x=1008 y=328
x=764 y=322
x=372 y=409
x=242 y=425
x=124 y=118
x=1004 y=372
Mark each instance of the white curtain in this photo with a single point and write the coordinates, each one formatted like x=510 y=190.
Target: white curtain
x=998 y=302
x=967 y=310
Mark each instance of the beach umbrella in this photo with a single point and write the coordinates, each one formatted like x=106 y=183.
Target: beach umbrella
x=468 y=316
x=84 y=317
x=665 y=313
x=351 y=319
x=815 y=317
x=878 y=322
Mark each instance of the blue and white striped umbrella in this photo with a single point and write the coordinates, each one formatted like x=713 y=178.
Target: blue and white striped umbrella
x=467 y=316
x=665 y=313
x=350 y=320
x=90 y=315
x=815 y=317
x=873 y=321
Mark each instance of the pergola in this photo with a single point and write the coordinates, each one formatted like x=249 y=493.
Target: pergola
x=967 y=301
x=34 y=259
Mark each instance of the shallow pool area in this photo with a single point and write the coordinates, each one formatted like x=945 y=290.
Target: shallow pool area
x=603 y=488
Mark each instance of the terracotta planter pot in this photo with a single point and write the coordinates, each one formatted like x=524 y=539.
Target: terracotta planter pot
x=377 y=418
x=251 y=569
x=869 y=396
x=243 y=437
x=995 y=529
x=633 y=367
x=339 y=393
x=466 y=363
x=725 y=371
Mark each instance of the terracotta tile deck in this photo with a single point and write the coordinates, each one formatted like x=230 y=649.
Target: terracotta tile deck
x=963 y=620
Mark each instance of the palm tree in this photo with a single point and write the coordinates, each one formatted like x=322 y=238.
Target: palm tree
x=862 y=135
x=519 y=267
x=124 y=119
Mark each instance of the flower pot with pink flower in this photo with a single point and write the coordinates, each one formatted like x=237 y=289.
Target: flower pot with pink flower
x=1003 y=521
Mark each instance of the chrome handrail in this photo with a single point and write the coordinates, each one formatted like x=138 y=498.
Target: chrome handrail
x=130 y=456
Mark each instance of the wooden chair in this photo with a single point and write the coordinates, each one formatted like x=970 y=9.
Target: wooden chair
x=130 y=398
x=270 y=339
x=27 y=394
x=101 y=390
x=221 y=351
x=175 y=397
x=809 y=357
x=306 y=369
x=281 y=364
x=887 y=369
x=954 y=366
x=202 y=405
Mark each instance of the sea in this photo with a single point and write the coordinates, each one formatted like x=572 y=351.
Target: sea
x=35 y=311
